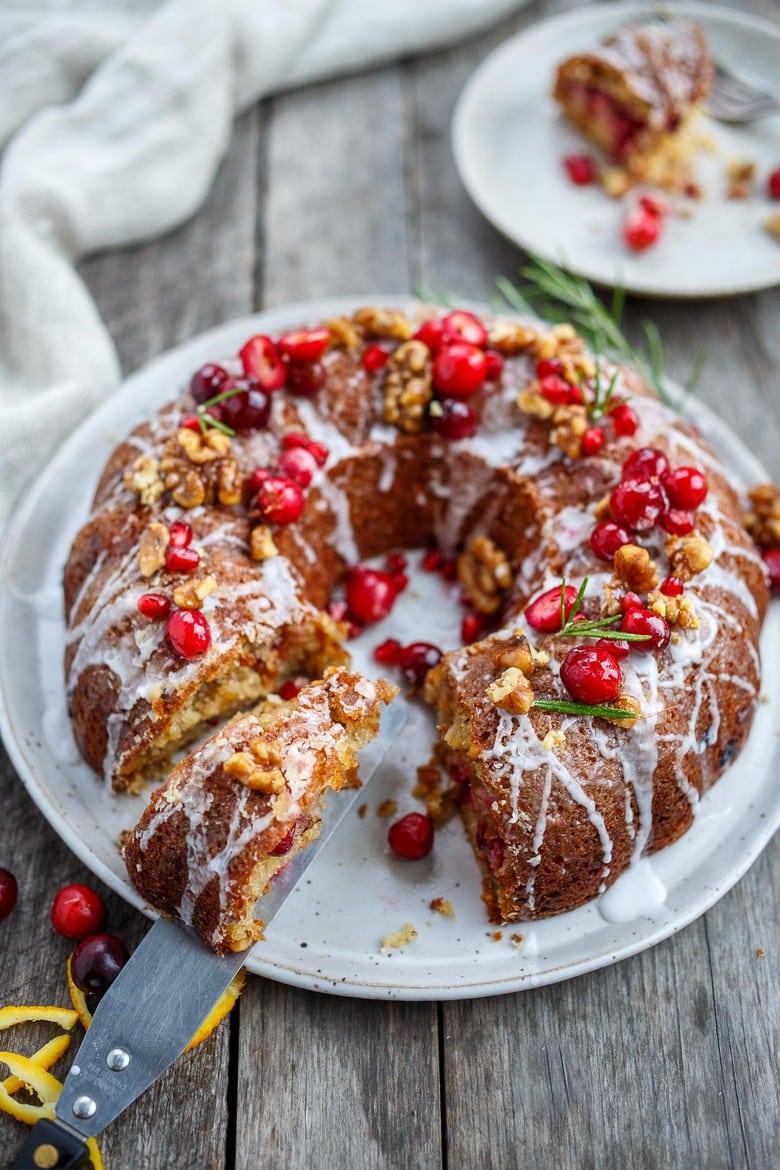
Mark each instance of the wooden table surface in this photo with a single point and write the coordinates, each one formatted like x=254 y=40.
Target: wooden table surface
x=668 y=1059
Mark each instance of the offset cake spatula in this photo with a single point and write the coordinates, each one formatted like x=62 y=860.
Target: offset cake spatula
x=160 y=998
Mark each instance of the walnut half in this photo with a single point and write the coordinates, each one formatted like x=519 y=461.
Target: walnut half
x=485 y=574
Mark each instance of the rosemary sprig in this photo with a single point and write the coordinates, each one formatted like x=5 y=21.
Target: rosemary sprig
x=591 y=627
x=207 y=420
x=567 y=707
x=602 y=397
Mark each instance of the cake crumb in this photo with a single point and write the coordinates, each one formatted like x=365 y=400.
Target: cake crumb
x=362 y=811
x=760 y=953
x=517 y=940
x=497 y=935
x=740 y=175
x=122 y=837
x=388 y=808
x=405 y=935
x=553 y=739
x=772 y=224
x=443 y=906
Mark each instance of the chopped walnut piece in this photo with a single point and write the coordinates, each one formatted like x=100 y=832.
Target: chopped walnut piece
x=772 y=224
x=229 y=482
x=191 y=594
x=678 y=611
x=408 y=387
x=203 y=447
x=185 y=484
x=266 y=751
x=442 y=906
x=625 y=702
x=532 y=401
x=259 y=775
x=763 y=520
x=152 y=548
x=570 y=424
x=261 y=543
x=615 y=181
x=511 y=691
x=521 y=655
x=143 y=477
x=485 y=574
x=509 y=337
x=741 y=175
x=635 y=569
x=688 y=555
x=384 y=323
x=343 y=333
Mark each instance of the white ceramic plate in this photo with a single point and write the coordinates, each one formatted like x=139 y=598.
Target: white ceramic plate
x=509 y=140
x=328 y=935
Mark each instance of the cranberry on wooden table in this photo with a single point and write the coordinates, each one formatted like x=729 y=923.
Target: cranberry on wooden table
x=411 y=837
x=97 y=961
x=78 y=911
x=9 y=892
x=591 y=674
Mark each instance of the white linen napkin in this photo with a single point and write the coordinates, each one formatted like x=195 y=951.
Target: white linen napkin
x=116 y=115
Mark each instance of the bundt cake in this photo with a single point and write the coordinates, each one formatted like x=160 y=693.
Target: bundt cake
x=240 y=806
x=615 y=600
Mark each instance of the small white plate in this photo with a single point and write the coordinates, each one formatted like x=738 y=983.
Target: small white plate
x=509 y=140
x=328 y=935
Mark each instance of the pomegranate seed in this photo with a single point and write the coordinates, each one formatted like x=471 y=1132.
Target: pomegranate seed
x=298 y=464
x=248 y=410
x=545 y=612
x=258 y=477
x=9 y=892
x=431 y=333
x=306 y=345
x=472 y=627
x=190 y=422
x=416 y=660
x=180 y=534
x=630 y=600
x=641 y=229
x=580 y=169
x=154 y=606
x=97 y=961
x=181 y=560
x=463 y=326
x=188 y=632
x=672 y=586
x=431 y=562
x=318 y=450
x=644 y=621
x=772 y=561
x=645 y=463
x=209 y=381
x=617 y=647
x=686 y=488
x=284 y=846
x=280 y=500
x=395 y=563
x=773 y=184
x=388 y=653
x=370 y=594
x=262 y=360
x=554 y=389
x=607 y=537
x=678 y=523
x=495 y=365
x=548 y=366
x=78 y=911
x=591 y=674
x=456 y=421
x=291 y=688
x=624 y=419
x=374 y=358
x=654 y=205
x=637 y=503
x=459 y=370
x=592 y=441
x=305 y=379
x=412 y=836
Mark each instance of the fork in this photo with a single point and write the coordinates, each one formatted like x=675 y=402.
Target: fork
x=733 y=100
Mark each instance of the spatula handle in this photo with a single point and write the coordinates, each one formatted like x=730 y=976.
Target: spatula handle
x=50 y=1146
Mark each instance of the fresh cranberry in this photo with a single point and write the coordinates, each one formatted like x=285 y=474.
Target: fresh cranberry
x=630 y=600
x=677 y=522
x=431 y=561
x=78 y=911
x=291 y=688
x=637 y=504
x=318 y=450
x=545 y=612
x=645 y=463
x=370 y=594
x=686 y=488
x=607 y=537
x=431 y=333
x=188 y=633
x=459 y=370
x=472 y=627
x=280 y=500
x=9 y=892
x=306 y=379
x=555 y=389
x=772 y=561
x=375 y=357
x=154 y=606
x=97 y=961
x=592 y=441
x=209 y=381
x=190 y=422
x=258 y=476
x=591 y=674
x=624 y=419
x=548 y=366
x=672 y=586
x=180 y=534
x=305 y=345
x=248 y=410
x=388 y=653
x=617 y=647
x=262 y=360
x=644 y=621
x=181 y=560
x=641 y=229
x=298 y=464
x=495 y=365
x=463 y=326
x=416 y=660
x=284 y=846
x=456 y=421
x=580 y=169
x=773 y=184
x=412 y=836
